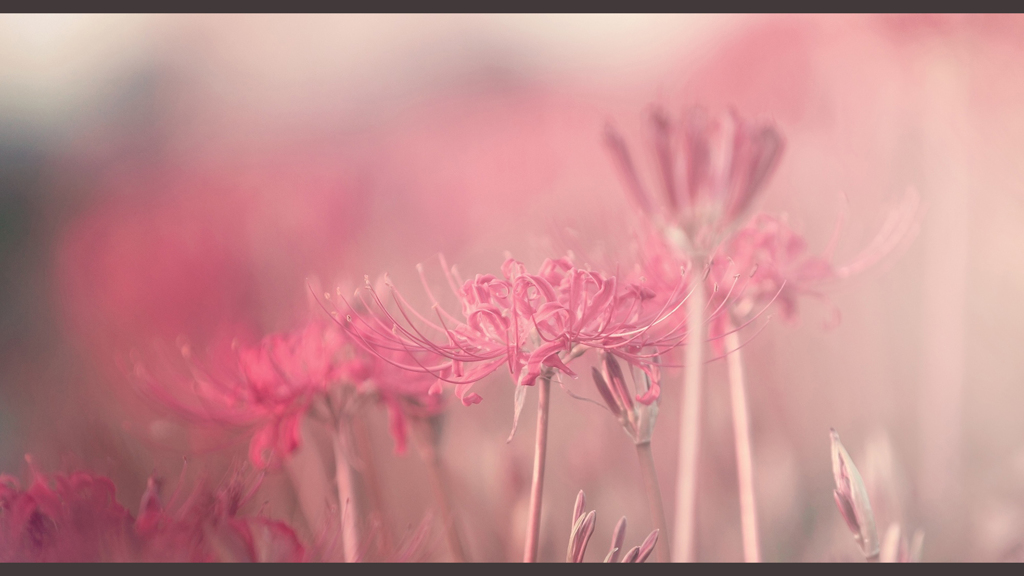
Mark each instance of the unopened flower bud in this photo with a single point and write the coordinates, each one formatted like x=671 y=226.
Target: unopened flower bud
x=852 y=499
x=637 y=418
x=582 y=530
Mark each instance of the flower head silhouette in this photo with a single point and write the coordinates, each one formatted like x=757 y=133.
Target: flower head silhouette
x=710 y=169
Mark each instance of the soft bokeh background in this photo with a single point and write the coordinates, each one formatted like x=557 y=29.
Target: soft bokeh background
x=167 y=176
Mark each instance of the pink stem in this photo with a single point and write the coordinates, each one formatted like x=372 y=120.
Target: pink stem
x=744 y=458
x=369 y=484
x=346 y=499
x=683 y=547
x=427 y=441
x=539 y=456
x=643 y=451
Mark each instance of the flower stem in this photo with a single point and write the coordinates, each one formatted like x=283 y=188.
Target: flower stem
x=346 y=498
x=427 y=441
x=367 y=483
x=643 y=451
x=539 y=456
x=744 y=459
x=689 y=431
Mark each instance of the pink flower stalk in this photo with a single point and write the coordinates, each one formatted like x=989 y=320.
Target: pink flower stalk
x=531 y=323
x=896 y=548
x=710 y=171
x=583 y=528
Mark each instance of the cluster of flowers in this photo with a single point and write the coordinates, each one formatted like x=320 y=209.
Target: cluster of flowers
x=76 y=518
x=375 y=347
x=711 y=171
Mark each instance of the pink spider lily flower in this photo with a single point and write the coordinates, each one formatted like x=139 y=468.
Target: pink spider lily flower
x=532 y=323
x=76 y=518
x=405 y=395
x=208 y=526
x=265 y=387
x=73 y=518
x=583 y=528
x=710 y=171
x=270 y=386
x=768 y=263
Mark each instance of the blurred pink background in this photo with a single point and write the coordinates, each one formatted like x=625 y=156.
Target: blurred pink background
x=167 y=176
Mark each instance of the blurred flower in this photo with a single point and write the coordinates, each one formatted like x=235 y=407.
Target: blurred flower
x=71 y=518
x=404 y=394
x=852 y=499
x=709 y=189
x=583 y=528
x=76 y=518
x=710 y=169
x=208 y=527
x=266 y=387
x=767 y=262
x=170 y=261
x=270 y=386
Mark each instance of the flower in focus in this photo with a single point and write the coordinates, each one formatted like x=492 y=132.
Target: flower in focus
x=583 y=529
x=531 y=323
